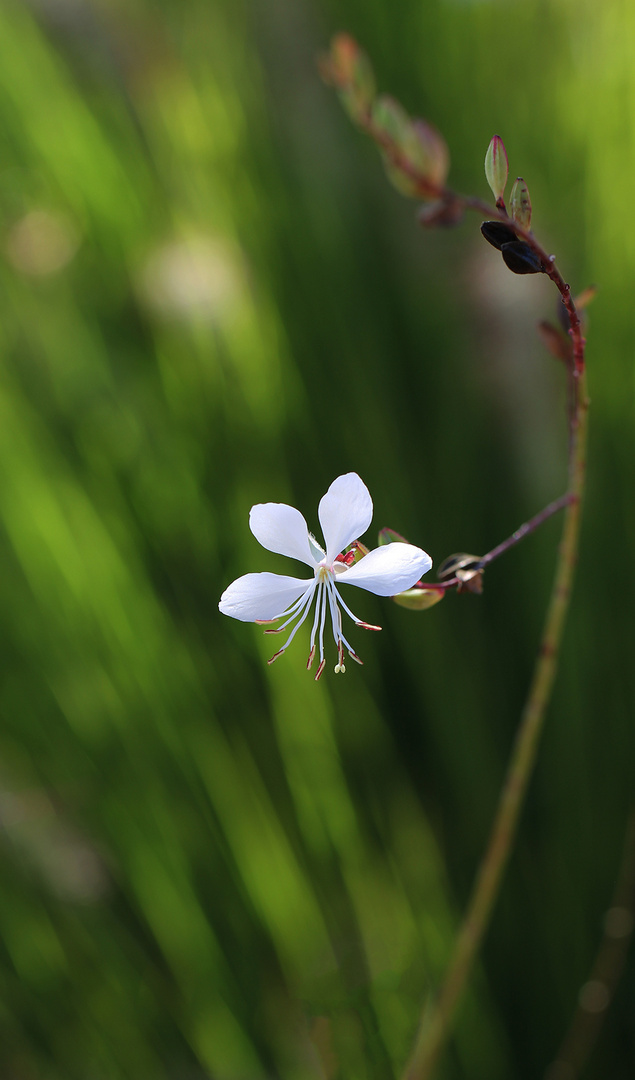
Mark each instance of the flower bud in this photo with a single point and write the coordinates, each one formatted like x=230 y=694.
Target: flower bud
x=431 y=156
x=389 y=536
x=496 y=167
x=420 y=599
x=348 y=68
x=470 y=581
x=392 y=121
x=520 y=203
x=415 y=154
x=497 y=233
x=520 y=259
x=459 y=562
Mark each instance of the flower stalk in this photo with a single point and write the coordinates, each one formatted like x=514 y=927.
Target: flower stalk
x=522 y=254
x=435 y=1025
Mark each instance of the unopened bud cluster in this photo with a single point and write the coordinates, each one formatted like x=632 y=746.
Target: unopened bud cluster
x=415 y=154
x=518 y=255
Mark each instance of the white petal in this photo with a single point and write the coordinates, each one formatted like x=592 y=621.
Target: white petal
x=256 y=597
x=345 y=512
x=282 y=529
x=388 y=570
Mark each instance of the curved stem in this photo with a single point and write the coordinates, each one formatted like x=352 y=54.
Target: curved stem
x=435 y=1028
x=436 y=1022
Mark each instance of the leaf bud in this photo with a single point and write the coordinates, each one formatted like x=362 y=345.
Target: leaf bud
x=520 y=203
x=496 y=167
x=520 y=259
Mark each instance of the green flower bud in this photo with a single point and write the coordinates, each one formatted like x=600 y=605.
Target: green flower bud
x=420 y=599
x=520 y=203
x=496 y=167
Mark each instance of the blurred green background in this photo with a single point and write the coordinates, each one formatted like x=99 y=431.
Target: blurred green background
x=210 y=297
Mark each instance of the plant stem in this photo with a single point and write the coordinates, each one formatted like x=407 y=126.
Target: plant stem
x=436 y=1022
x=435 y=1027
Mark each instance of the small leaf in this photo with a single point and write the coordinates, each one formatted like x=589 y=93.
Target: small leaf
x=520 y=203
x=558 y=344
x=496 y=167
x=497 y=233
x=520 y=259
x=420 y=599
x=585 y=297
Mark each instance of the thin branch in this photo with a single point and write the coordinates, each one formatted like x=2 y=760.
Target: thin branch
x=524 y=530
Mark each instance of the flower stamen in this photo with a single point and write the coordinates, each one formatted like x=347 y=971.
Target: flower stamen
x=358 y=622
x=296 y=609
x=345 y=512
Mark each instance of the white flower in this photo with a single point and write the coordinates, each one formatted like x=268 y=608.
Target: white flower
x=345 y=513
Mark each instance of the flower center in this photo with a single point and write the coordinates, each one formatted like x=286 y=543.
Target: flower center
x=327 y=571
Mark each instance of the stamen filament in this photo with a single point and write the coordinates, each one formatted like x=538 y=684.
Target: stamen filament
x=306 y=599
x=336 y=615
x=292 y=611
x=358 y=622
x=318 y=603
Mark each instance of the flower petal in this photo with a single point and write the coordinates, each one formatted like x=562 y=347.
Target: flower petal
x=388 y=570
x=256 y=597
x=345 y=512
x=282 y=529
